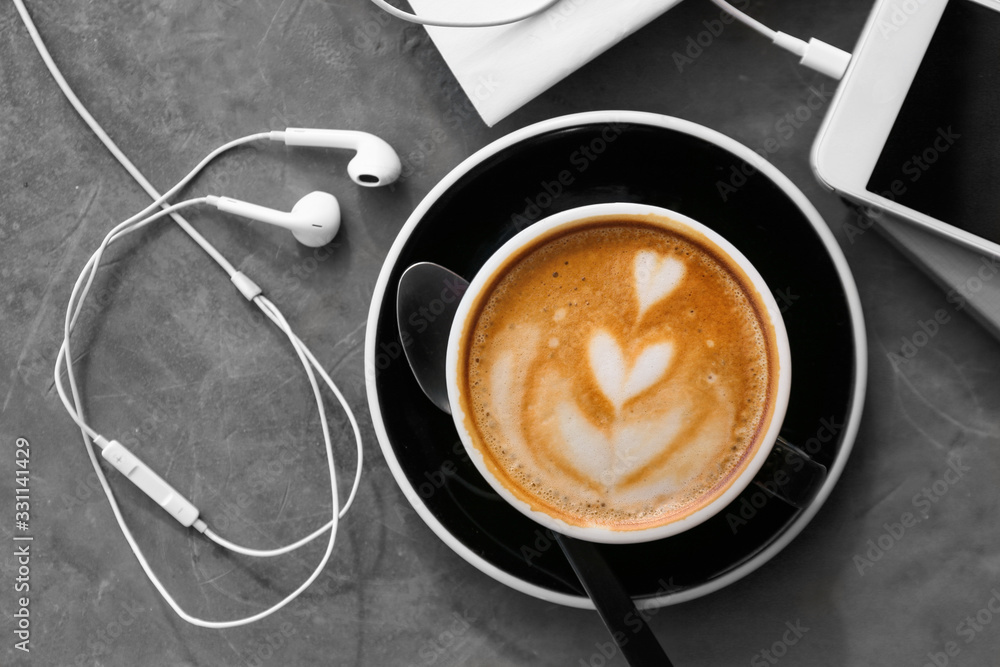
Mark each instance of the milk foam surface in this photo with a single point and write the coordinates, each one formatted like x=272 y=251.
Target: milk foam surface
x=617 y=375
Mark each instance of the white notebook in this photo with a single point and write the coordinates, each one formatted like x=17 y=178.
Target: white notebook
x=502 y=68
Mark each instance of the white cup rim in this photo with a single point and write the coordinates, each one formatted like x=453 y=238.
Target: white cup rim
x=581 y=215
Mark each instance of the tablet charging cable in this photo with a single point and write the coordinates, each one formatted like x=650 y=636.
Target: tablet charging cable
x=814 y=54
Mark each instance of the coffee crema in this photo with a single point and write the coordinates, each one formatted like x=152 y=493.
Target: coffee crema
x=618 y=374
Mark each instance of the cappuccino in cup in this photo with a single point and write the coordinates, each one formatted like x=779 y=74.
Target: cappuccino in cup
x=618 y=374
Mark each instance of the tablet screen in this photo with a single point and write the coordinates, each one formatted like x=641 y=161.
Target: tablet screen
x=942 y=156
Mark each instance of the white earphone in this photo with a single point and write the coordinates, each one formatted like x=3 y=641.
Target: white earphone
x=315 y=219
x=376 y=163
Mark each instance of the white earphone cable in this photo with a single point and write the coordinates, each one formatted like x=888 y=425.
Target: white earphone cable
x=77 y=297
x=79 y=293
x=303 y=354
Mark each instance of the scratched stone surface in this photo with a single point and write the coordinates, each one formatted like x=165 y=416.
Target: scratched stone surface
x=175 y=363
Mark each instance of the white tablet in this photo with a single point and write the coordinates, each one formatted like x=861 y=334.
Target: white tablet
x=914 y=129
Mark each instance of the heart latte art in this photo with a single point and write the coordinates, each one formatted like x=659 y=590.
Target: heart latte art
x=618 y=374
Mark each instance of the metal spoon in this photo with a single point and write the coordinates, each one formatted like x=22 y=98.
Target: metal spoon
x=426 y=301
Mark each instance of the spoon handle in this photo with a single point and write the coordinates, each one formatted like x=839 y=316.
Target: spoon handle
x=627 y=626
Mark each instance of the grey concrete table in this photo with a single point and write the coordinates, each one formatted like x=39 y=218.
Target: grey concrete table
x=174 y=361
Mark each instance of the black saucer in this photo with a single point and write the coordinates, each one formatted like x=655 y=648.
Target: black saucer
x=632 y=157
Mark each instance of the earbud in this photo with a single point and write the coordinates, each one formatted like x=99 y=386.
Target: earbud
x=313 y=221
x=375 y=164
